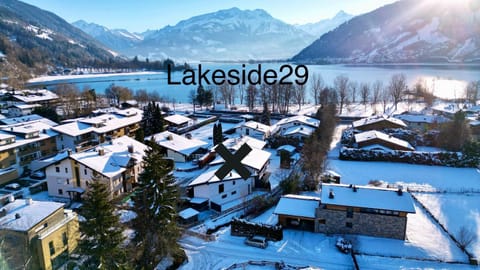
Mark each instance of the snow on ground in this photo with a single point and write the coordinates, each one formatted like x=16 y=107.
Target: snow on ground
x=384 y=263
x=455 y=211
x=277 y=174
x=425 y=240
x=205 y=133
x=126 y=215
x=415 y=177
x=94 y=75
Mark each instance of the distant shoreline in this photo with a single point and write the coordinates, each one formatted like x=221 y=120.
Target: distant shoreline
x=43 y=79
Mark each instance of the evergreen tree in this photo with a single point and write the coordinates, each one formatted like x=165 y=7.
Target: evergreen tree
x=265 y=118
x=215 y=128
x=101 y=230
x=47 y=112
x=155 y=203
x=152 y=121
x=453 y=135
x=219 y=133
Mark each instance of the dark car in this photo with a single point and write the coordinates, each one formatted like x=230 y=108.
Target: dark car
x=257 y=241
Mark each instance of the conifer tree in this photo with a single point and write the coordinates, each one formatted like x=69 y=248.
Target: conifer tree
x=102 y=230
x=214 y=136
x=265 y=117
x=155 y=203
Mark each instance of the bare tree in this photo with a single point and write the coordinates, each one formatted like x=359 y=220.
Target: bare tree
x=377 y=91
x=241 y=92
x=317 y=84
x=397 y=88
x=141 y=95
x=69 y=95
x=251 y=96
x=353 y=90
x=341 y=86
x=192 y=97
x=465 y=237
x=365 y=93
x=299 y=94
x=385 y=97
x=472 y=92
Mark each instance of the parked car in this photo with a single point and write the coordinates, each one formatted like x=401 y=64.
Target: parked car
x=257 y=241
x=38 y=175
x=13 y=186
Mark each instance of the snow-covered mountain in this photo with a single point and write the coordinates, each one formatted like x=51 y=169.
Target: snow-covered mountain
x=405 y=31
x=34 y=37
x=116 y=39
x=231 y=34
x=321 y=27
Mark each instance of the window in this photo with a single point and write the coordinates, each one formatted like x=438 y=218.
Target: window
x=57 y=169
x=85 y=171
x=65 y=239
x=68 y=181
x=221 y=188
x=66 y=170
x=349 y=212
x=233 y=183
x=321 y=221
x=224 y=196
x=234 y=192
x=51 y=247
x=349 y=225
x=60 y=191
x=247 y=131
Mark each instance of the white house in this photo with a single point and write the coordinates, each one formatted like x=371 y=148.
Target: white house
x=236 y=143
x=118 y=163
x=255 y=129
x=177 y=121
x=293 y=121
x=221 y=194
x=376 y=140
x=180 y=148
x=17 y=110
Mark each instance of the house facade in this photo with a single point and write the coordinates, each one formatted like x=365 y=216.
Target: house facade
x=378 y=123
x=38 y=233
x=255 y=129
x=179 y=148
x=117 y=163
x=376 y=140
x=343 y=209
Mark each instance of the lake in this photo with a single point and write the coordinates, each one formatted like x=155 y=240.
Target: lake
x=448 y=81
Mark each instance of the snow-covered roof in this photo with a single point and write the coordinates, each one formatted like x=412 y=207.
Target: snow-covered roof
x=25 y=106
x=32 y=96
x=177 y=119
x=209 y=177
x=29 y=215
x=257 y=126
x=367 y=197
x=236 y=143
x=373 y=134
x=44 y=132
x=42 y=163
x=178 y=143
x=188 y=213
x=27 y=118
x=297 y=205
x=101 y=124
x=301 y=119
x=300 y=129
x=256 y=159
x=376 y=119
x=422 y=118
x=446 y=108
x=115 y=156
x=287 y=147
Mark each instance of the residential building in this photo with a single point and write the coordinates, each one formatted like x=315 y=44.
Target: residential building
x=298 y=122
x=255 y=129
x=20 y=144
x=179 y=148
x=84 y=133
x=21 y=109
x=117 y=163
x=376 y=140
x=422 y=122
x=37 y=234
x=43 y=97
x=347 y=209
x=177 y=121
x=378 y=123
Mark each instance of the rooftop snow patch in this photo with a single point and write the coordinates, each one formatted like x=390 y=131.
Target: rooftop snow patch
x=373 y=134
x=373 y=120
x=178 y=143
x=28 y=215
x=297 y=205
x=236 y=143
x=177 y=119
x=367 y=197
x=257 y=126
x=188 y=213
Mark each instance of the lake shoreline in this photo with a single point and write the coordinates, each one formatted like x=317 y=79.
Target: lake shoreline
x=49 y=79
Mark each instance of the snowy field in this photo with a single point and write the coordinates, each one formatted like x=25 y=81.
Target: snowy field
x=455 y=211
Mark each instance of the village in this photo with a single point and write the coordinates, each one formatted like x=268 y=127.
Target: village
x=384 y=184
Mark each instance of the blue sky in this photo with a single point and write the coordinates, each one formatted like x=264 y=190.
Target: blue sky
x=140 y=15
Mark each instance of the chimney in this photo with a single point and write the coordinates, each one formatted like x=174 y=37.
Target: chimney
x=69 y=152
x=331 y=195
x=101 y=151
x=28 y=201
x=17 y=216
x=130 y=149
x=354 y=188
x=3 y=212
x=399 y=192
x=11 y=199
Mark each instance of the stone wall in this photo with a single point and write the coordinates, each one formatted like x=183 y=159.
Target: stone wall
x=362 y=223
